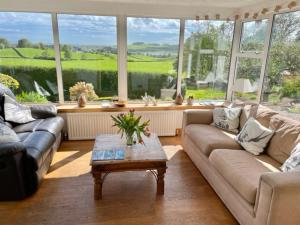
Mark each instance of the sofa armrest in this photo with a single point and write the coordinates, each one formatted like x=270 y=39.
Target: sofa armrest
x=278 y=199
x=197 y=116
x=11 y=148
x=43 y=111
x=13 y=171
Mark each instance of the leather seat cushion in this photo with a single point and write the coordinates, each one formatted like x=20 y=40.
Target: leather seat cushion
x=53 y=125
x=38 y=145
x=23 y=136
x=242 y=170
x=207 y=138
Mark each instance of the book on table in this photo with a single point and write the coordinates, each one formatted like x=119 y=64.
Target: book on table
x=109 y=154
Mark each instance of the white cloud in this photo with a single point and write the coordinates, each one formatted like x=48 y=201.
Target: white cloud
x=150 y=25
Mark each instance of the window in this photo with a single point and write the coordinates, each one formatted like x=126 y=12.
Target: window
x=88 y=46
x=281 y=88
x=152 y=57
x=207 y=50
x=253 y=35
x=249 y=60
x=27 y=56
x=247 y=79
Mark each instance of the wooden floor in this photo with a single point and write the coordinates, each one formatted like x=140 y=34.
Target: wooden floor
x=66 y=194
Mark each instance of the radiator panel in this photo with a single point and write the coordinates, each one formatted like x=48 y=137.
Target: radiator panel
x=83 y=126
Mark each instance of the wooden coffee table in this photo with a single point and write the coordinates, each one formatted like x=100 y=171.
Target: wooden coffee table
x=137 y=157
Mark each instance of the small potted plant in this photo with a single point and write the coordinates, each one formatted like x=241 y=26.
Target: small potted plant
x=130 y=125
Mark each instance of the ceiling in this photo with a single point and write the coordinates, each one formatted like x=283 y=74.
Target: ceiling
x=230 y=4
x=147 y=8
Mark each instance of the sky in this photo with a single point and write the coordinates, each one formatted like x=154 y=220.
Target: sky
x=85 y=29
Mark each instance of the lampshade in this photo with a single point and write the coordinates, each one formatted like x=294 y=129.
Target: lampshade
x=242 y=85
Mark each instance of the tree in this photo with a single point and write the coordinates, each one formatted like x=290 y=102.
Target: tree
x=65 y=48
x=285 y=25
x=24 y=43
x=41 y=45
x=45 y=54
x=67 y=51
x=4 y=43
x=67 y=54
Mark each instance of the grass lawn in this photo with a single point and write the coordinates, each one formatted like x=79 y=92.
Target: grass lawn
x=8 y=52
x=85 y=61
x=34 y=52
x=206 y=93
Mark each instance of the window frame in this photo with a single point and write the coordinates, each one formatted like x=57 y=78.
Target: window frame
x=122 y=50
x=237 y=53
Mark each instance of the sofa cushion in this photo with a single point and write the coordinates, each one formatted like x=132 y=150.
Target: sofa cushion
x=261 y=113
x=227 y=119
x=207 y=138
x=285 y=138
x=293 y=162
x=15 y=112
x=242 y=170
x=52 y=125
x=38 y=145
x=4 y=91
x=7 y=134
x=254 y=137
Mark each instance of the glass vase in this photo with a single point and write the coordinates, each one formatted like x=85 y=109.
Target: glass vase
x=129 y=139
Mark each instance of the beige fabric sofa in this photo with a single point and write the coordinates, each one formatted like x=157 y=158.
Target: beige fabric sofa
x=252 y=187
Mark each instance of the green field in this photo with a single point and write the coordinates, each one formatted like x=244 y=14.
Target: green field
x=206 y=93
x=31 y=57
x=146 y=73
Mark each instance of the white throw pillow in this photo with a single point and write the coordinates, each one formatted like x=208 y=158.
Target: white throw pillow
x=15 y=112
x=254 y=137
x=227 y=118
x=7 y=134
x=293 y=162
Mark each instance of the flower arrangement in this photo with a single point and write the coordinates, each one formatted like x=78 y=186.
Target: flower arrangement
x=130 y=125
x=83 y=88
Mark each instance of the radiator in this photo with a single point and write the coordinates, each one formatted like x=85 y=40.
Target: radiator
x=82 y=126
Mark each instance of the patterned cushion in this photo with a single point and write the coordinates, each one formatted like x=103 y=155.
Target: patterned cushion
x=7 y=134
x=254 y=137
x=15 y=112
x=227 y=118
x=293 y=162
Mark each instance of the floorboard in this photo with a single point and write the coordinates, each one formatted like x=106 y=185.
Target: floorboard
x=66 y=194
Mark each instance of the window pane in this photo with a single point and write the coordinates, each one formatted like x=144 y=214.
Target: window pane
x=88 y=48
x=152 y=57
x=27 y=55
x=247 y=79
x=207 y=49
x=253 y=35
x=282 y=80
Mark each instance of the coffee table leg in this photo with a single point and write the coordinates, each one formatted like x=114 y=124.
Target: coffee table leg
x=160 y=181
x=97 y=186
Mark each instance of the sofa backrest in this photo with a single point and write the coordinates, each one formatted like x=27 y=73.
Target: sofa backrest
x=261 y=113
x=285 y=138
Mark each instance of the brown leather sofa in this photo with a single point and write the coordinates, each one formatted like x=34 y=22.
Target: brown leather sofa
x=252 y=187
